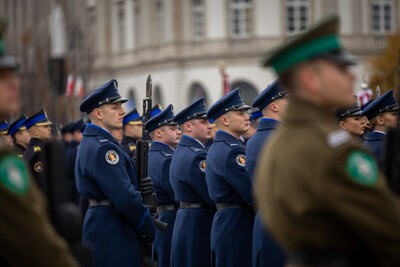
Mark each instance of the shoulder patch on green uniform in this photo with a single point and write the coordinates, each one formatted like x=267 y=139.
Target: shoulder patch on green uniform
x=14 y=174
x=362 y=168
x=337 y=138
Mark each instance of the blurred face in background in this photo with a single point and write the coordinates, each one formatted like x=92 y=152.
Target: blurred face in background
x=9 y=92
x=133 y=130
x=354 y=125
x=40 y=132
x=22 y=137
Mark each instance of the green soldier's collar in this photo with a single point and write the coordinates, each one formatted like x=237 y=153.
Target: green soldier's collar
x=319 y=41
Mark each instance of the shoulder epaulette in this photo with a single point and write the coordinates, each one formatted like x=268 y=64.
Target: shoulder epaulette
x=166 y=154
x=196 y=149
x=231 y=144
x=337 y=138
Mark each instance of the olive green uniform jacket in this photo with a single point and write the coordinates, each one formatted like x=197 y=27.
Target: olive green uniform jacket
x=320 y=191
x=26 y=236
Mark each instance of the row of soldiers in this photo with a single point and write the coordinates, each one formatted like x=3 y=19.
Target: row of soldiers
x=205 y=194
x=320 y=197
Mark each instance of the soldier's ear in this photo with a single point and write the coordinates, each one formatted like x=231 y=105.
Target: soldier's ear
x=342 y=125
x=380 y=121
x=274 y=107
x=97 y=113
x=224 y=120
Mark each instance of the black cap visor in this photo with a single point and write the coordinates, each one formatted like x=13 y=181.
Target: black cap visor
x=340 y=57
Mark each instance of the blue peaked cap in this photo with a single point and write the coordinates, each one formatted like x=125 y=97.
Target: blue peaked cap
x=384 y=103
x=165 y=117
x=66 y=128
x=155 y=110
x=3 y=127
x=195 y=110
x=17 y=125
x=132 y=117
x=352 y=111
x=77 y=126
x=107 y=93
x=256 y=114
x=39 y=119
x=230 y=101
x=273 y=92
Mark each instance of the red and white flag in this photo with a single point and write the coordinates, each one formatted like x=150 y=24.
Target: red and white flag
x=70 y=86
x=225 y=80
x=364 y=96
x=79 y=89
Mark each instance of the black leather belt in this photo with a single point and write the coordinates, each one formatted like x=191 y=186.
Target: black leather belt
x=221 y=206
x=163 y=208
x=191 y=205
x=99 y=202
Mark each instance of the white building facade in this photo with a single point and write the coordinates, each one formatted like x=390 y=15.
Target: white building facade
x=183 y=43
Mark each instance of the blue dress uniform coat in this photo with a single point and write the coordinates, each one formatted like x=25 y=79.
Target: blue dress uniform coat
x=129 y=145
x=266 y=252
x=105 y=172
x=70 y=158
x=375 y=142
x=229 y=183
x=191 y=235
x=160 y=156
x=34 y=156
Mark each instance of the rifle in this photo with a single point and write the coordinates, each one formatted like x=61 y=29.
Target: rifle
x=142 y=153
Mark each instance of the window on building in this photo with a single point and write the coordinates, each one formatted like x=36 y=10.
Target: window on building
x=196 y=91
x=198 y=18
x=160 y=21
x=382 y=16
x=157 y=96
x=247 y=91
x=241 y=18
x=297 y=15
x=121 y=24
x=137 y=22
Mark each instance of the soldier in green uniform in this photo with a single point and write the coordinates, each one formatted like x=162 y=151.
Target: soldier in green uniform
x=319 y=191
x=26 y=236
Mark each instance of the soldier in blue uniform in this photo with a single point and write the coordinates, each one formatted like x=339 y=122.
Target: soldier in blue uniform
x=39 y=127
x=382 y=115
x=116 y=220
x=272 y=104
x=132 y=127
x=4 y=132
x=66 y=135
x=191 y=235
x=70 y=156
x=20 y=135
x=229 y=185
x=350 y=120
x=165 y=136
